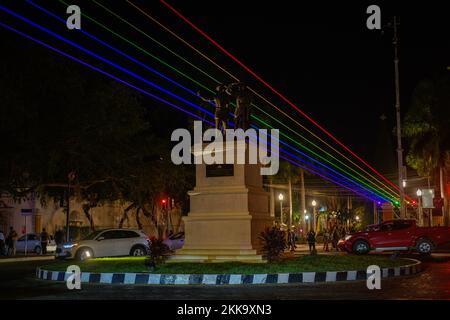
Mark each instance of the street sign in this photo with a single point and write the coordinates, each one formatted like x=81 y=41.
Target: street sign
x=427 y=198
x=26 y=212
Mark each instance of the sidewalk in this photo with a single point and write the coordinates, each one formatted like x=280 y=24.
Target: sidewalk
x=22 y=257
x=303 y=249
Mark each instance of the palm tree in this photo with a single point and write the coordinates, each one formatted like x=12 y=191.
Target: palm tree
x=427 y=129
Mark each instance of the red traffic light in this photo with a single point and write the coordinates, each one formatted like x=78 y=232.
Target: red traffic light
x=163 y=201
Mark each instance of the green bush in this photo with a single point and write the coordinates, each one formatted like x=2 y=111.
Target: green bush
x=274 y=243
x=158 y=250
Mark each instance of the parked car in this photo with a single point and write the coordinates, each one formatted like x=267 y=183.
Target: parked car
x=396 y=235
x=106 y=243
x=33 y=244
x=175 y=241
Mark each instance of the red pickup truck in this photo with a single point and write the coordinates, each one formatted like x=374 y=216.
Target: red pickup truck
x=396 y=235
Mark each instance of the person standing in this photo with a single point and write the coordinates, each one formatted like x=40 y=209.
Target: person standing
x=59 y=237
x=2 y=244
x=291 y=240
x=311 y=238
x=11 y=240
x=44 y=241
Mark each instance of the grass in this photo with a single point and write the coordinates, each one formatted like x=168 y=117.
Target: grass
x=300 y=264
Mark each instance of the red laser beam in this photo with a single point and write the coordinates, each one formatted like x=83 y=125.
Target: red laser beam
x=277 y=92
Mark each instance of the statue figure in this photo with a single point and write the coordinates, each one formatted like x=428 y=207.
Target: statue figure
x=242 y=95
x=222 y=102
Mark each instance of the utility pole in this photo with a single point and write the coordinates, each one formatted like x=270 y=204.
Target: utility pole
x=399 y=129
x=303 y=199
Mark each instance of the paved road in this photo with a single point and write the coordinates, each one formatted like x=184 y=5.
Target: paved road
x=17 y=282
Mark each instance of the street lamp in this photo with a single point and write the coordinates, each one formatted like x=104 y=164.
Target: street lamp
x=357 y=218
x=307 y=222
x=419 y=196
x=314 y=203
x=281 y=198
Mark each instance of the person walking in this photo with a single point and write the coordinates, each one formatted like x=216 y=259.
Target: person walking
x=11 y=241
x=291 y=240
x=326 y=240
x=311 y=238
x=44 y=241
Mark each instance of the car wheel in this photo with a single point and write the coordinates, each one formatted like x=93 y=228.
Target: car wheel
x=138 y=251
x=37 y=250
x=361 y=247
x=424 y=246
x=84 y=254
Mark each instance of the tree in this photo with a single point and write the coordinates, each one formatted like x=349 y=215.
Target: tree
x=427 y=130
x=57 y=117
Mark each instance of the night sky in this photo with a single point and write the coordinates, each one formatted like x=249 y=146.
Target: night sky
x=321 y=56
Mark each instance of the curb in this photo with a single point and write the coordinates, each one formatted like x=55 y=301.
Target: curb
x=38 y=258
x=226 y=279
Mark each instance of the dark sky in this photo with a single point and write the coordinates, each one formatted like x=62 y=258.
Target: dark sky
x=321 y=56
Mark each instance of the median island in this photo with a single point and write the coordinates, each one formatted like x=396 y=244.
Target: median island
x=307 y=263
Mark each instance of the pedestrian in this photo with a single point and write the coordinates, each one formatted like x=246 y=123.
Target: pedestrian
x=44 y=241
x=2 y=244
x=326 y=240
x=11 y=241
x=291 y=240
x=311 y=238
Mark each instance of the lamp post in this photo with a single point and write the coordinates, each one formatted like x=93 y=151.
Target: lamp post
x=70 y=178
x=281 y=198
x=307 y=223
x=314 y=203
x=419 y=196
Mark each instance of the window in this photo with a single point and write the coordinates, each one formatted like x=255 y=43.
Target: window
x=386 y=227
x=129 y=234
x=32 y=237
x=113 y=234
x=399 y=225
x=92 y=235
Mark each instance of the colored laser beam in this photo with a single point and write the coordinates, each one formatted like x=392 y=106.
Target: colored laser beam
x=188 y=90
x=256 y=93
x=158 y=98
x=109 y=62
x=276 y=92
x=275 y=119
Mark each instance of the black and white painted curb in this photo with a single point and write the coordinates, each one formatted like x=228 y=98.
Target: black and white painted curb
x=227 y=279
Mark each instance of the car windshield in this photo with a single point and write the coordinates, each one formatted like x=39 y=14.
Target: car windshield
x=92 y=235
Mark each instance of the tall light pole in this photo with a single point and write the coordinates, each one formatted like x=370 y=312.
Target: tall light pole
x=314 y=203
x=419 y=196
x=399 y=129
x=70 y=178
x=281 y=198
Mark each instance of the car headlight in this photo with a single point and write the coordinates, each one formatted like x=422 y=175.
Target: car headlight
x=347 y=237
x=69 y=246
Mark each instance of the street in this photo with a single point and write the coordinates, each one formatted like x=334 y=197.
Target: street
x=17 y=282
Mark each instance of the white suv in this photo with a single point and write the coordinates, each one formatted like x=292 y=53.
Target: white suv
x=107 y=243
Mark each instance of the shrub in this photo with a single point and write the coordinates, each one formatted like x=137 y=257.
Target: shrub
x=158 y=252
x=274 y=243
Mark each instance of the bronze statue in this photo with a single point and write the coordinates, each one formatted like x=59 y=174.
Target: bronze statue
x=242 y=95
x=222 y=102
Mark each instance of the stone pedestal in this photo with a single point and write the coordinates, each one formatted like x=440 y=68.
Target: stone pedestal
x=228 y=210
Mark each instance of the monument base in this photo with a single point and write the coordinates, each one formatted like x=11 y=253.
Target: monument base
x=216 y=256
x=229 y=210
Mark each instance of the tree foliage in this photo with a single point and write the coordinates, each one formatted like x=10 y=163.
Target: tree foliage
x=427 y=125
x=57 y=117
